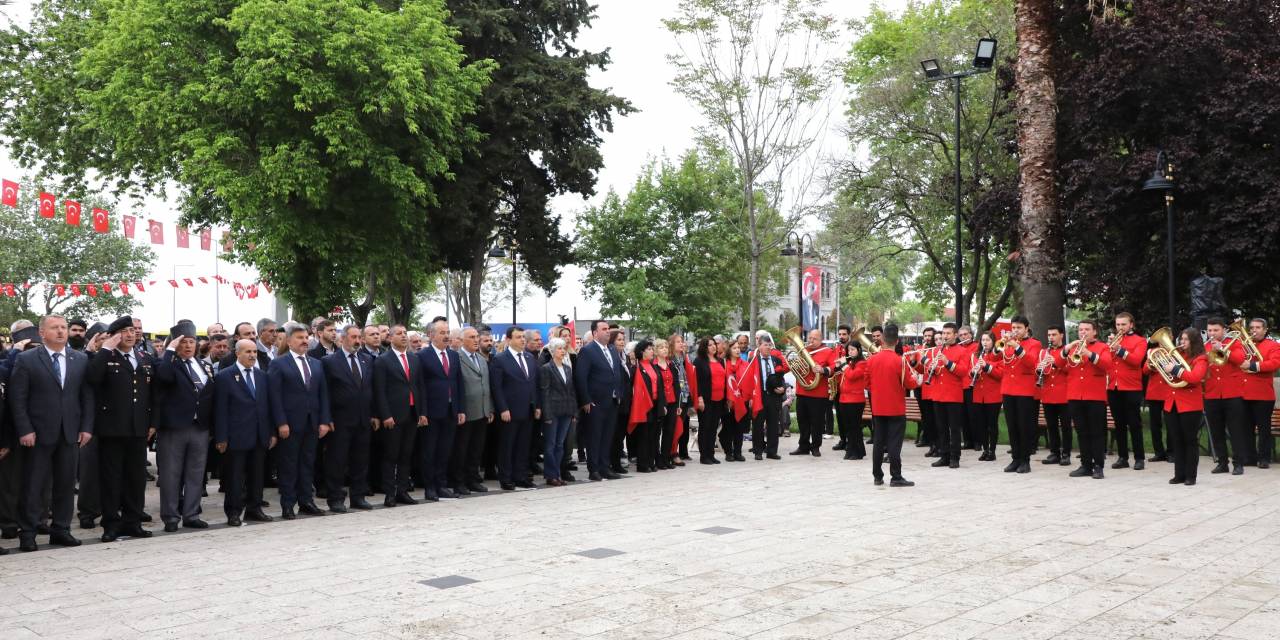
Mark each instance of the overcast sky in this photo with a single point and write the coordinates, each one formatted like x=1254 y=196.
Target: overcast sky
x=640 y=72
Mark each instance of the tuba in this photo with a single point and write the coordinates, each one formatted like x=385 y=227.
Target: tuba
x=1164 y=353
x=869 y=348
x=799 y=360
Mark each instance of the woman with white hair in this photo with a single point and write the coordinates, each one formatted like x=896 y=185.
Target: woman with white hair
x=559 y=408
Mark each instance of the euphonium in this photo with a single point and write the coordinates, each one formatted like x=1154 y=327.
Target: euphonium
x=1164 y=353
x=869 y=348
x=801 y=363
x=1251 y=351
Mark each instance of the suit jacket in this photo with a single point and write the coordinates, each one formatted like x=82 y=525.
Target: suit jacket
x=43 y=407
x=319 y=353
x=476 y=395
x=122 y=394
x=391 y=389
x=243 y=421
x=350 y=396
x=295 y=402
x=596 y=380
x=512 y=390
x=445 y=397
x=178 y=403
x=558 y=395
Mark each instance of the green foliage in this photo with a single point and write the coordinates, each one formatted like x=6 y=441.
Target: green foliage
x=48 y=250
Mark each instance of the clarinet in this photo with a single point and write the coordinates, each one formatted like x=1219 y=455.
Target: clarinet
x=1043 y=367
x=978 y=365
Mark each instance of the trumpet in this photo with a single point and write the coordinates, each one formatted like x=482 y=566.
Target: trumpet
x=1042 y=367
x=1165 y=353
x=1077 y=354
x=1221 y=350
x=1114 y=342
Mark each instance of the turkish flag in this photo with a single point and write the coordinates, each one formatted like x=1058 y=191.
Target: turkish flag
x=47 y=207
x=184 y=239
x=73 y=212
x=157 y=231
x=75 y=289
x=129 y=222
x=173 y=283
x=124 y=288
x=139 y=287
x=239 y=289
x=61 y=290
x=203 y=280
x=93 y=291
x=227 y=244
x=10 y=193
x=101 y=223
x=252 y=291
x=8 y=291
x=188 y=281
x=206 y=239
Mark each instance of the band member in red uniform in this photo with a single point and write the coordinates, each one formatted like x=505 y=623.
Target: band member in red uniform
x=1184 y=407
x=924 y=430
x=947 y=373
x=1086 y=362
x=888 y=379
x=1157 y=391
x=985 y=377
x=813 y=405
x=1020 y=355
x=1259 y=394
x=851 y=399
x=1124 y=390
x=972 y=431
x=1224 y=398
x=1053 y=398
x=843 y=334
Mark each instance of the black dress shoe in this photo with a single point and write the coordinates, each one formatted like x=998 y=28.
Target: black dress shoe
x=932 y=453
x=361 y=504
x=256 y=515
x=1011 y=467
x=708 y=461
x=404 y=498
x=430 y=495
x=109 y=536
x=461 y=490
x=1025 y=467
x=1176 y=480
x=940 y=462
x=738 y=457
x=28 y=545
x=337 y=507
x=955 y=464
x=594 y=477
x=854 y=456
x=447 y=494
x=310 y=508
x=1220 y=468
x=1097 y=473
x=1237 y=470
x=879 y=481
x=1120 y=464
x=816 y=453
x=146 y=517
x=800 y=452
x=234 y=521
x=1066 y=461
x=609 y=475
x=63 y=539
x=86 y=523
x=42 y=529
x=134 y=532
x=195 y=523
x=773 y=456
x=840 y=446
x=572 y=466
x=1160 y=457
x=759 y=456
x=1264 y=464
x=565 y=476
x=1190 y=482
x=901 y=482
x=525 y=484
x=287 y=513
x=8 y=533
x=1081 y=472
x=507 y=486
x=1052 y=459
x=476 y=487
x=389 y=502
x=1139 y=465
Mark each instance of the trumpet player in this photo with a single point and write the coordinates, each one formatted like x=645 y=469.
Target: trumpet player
x=1020 y=356
x=1087 y=361
x=1184 y=407
x=1053 y=397
x=1224 y=398
x=985 y=410
x=813 y=406
x=972 y=429
x=1124 y=390
x=1259 y=394
x=925 y=431
x=950 y=370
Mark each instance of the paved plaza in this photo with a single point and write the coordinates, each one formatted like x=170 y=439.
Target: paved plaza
x=799 y=548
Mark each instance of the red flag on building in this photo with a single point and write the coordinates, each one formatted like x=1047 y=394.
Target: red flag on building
x=47 y=207
x=157 y=231
x=129 y=222
x=184 y=240
x=206 y=239
x=72 y=209
x=10 y=193
x=101 y=222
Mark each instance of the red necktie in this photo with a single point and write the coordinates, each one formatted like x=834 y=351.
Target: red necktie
x=444 y=362
x=404 y=362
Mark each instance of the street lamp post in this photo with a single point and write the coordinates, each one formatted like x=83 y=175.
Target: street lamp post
x=1162 y=180
x=983 y=58
x=798 y=251
x=498 y=252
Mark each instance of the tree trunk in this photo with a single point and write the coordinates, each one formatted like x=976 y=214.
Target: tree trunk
x=360 y=310
x=475 y=310
x=748 y=193
x=1041 y=243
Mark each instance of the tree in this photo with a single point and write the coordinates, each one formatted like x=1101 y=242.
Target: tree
x=759 y=72
x=1041 y=260
x=495 y=277
x=45 y=252
x=289 y=121
x=1136 y=83
x=540 y=119
x=900 y=185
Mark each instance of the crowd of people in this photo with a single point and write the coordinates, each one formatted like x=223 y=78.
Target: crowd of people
x=344 y=414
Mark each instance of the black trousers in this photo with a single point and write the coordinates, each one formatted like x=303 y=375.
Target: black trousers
x=437 y=444
x=974 y=434
x=709 y=419
x=950 y=416
x=621 y=443
x=1090 y=419
x=1184 y=442
x=397 y=454
x=887 y=432
x=468 y=447
x=242 y=477
x=646 y=439
x=811 y=414
x=1259 y=418
x=1126 y=410
x=1155 y=411
x=88 y=481
x=683 y=446
x=296 y=464
x=850 y=416
x=728 y=427
x=1059 y=423
x=928 y=424
x=346 y=454
x=666 y=434
x=987 y=417
x=1226 y=418
x=513 y=449
x=46 y=464
x=122 y=480
x=1020 y=417
x=764 y=425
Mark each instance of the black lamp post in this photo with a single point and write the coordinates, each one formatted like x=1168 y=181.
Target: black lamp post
x=983 y=58
x=498 y=252
x=1162 y=180
x=798 y=251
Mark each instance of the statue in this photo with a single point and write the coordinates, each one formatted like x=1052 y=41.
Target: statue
x=1207 y=300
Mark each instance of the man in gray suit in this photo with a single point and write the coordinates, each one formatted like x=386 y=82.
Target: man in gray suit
x=468 y=443
x=53 y=416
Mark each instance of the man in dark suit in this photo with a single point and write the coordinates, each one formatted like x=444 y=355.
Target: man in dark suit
x=398 y=394
x=243 y=434
x=52 y=407
x=300 y=413
x=349 y=375
x=245 y=331
x=443 y=377
x=184 y=418
x=597 y=380
x=513 y=379
x=326 y=338
x=122 y=391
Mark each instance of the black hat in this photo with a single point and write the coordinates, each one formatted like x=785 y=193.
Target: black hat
x=97 y=328
x=29 y=333
x=184 y=329
x=123 y=322
x=77 y=322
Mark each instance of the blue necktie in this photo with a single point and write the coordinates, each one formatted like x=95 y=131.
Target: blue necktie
x=248 y=379
x=57 y=368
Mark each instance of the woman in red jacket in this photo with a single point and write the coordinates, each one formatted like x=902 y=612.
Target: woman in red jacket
x=734 y=427
x=987 y=397
x=648 y=408
x=850 y=400
x=1184 y=407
